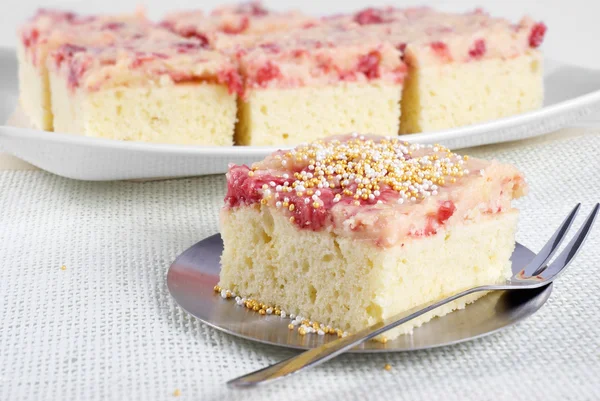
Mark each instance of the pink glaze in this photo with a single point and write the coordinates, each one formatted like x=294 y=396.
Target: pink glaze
x=317 y=57
x=49 y=29
x=156 y=57
x=488 y=187
x=428 y=36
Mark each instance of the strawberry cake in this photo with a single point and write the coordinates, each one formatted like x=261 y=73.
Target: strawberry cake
x=350 y=230
x=243 y=74
x=313 y=83
x=157 y=87
x=48 y=30
x=462 y=68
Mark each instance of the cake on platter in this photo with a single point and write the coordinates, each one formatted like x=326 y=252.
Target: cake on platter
x=463 y=68
x=158 y=87
x=289 y=77
x=50 y=29
x=315 y=83
x=344 y=232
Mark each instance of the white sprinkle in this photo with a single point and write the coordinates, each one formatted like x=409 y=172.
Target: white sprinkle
x=413 y=199
x=306 y=201
x=283 y=314
x=269 y=311
x=318 y=193
x=466 y=171
x=283 y=162
x=400 y=201
x=376 y=193
x=267 y=192
x=278 y=204
x=292 y=316
x=321 y=332
x=238 y=299
x=371 y=196
x=223 y=294
x=434 y=193
x=482 y=172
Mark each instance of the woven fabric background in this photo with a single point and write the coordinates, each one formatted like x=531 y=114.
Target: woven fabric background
x=106 y=328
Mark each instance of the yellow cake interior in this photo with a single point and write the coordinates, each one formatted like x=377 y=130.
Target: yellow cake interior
x=350 y=284
x=191 y=113
x=34 y=90
x=451 y=95
x=292 y=116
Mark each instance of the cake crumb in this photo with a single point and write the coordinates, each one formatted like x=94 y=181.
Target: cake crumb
x=63 y=267
x=388 y=367
x=176 y=393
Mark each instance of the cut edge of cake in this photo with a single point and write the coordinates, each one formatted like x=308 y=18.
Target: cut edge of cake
x=270 y=117
x=34 y=91
x=305 y=273
x=489 y=89
x=188 y=113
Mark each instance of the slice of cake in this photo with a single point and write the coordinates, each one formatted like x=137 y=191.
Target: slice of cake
x=351 y=230
x=309 y=84
x=155 y=88
x=48 y=30
x=462 y=68
x=230 y=25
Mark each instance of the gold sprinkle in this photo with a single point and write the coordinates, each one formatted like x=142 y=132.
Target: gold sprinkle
x=316 y=205
x=63 y=267
x=176 y=393
x=301 y=331
x=216 y=288
x=292 y=207
x=250 y=173
x=384 y=339
x=292 y=219
x=291 y=326
x=263 y=201
x=262 y=312
x=388 y=367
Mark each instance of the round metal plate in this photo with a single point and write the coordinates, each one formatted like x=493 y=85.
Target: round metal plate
x=195 y=272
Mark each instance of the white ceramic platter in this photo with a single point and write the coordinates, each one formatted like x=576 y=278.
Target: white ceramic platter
x=571 y=93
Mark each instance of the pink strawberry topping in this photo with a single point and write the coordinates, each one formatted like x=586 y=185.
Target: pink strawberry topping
x=397 y=201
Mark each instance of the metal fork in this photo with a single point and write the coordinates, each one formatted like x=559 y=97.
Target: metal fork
x=536 y=274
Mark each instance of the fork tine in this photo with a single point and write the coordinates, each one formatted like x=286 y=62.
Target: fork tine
x=551 y=246
x=567 y=255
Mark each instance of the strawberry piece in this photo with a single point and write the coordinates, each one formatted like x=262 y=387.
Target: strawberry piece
x=536 y=37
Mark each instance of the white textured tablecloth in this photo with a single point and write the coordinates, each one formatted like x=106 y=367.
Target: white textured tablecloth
x=106 y=328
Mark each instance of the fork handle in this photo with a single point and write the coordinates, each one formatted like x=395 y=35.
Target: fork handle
x=325 y=352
